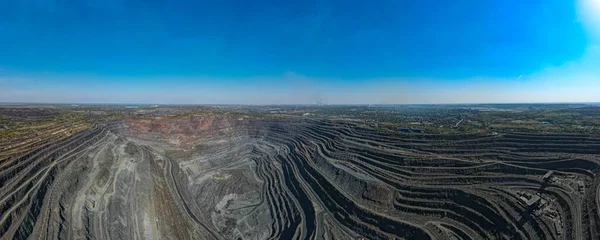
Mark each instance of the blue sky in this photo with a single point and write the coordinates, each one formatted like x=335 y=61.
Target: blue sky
x=265 y=52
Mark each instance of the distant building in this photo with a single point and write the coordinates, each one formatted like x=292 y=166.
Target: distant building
x=557 y=227
x=533 y=200
x=547 y=176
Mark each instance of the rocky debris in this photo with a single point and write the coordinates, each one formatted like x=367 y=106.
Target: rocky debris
x=215 y=177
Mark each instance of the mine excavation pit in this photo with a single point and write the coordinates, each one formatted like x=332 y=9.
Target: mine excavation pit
x=245 y=175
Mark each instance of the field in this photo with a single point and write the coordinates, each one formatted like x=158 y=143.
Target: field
x=511 y=171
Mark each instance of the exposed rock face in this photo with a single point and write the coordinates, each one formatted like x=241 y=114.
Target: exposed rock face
x=214 y=177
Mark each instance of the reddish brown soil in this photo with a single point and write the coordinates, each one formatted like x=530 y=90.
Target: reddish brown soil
x=182 y=131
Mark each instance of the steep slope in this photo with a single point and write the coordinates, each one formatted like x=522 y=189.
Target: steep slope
x=213 y=176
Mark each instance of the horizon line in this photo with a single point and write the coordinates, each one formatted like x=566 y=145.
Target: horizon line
x=290 y=104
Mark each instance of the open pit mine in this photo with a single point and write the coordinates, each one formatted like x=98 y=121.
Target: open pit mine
x=237 y=174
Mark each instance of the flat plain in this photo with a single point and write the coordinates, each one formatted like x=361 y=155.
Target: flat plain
x=504 y=171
